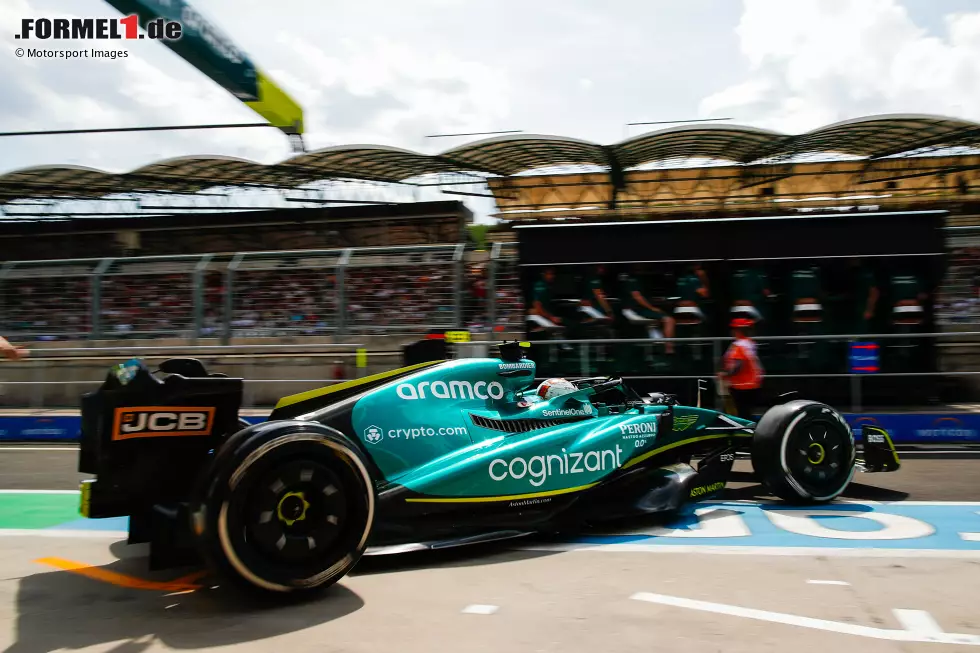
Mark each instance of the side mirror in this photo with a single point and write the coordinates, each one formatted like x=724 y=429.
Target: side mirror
x=702 y=386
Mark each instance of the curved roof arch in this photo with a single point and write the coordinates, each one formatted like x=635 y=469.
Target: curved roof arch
x=511 y=154
x=374 y=162
x=885 y=135
x=193 y=173
x=57 y=181
x=734 y=143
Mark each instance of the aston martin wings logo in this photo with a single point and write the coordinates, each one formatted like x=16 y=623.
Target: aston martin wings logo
x=684 y=422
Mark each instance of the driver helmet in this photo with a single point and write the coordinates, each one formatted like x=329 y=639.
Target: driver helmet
x=555 y=388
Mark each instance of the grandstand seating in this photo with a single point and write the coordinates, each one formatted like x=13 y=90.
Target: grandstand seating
x=958 y=299
x=368 y=291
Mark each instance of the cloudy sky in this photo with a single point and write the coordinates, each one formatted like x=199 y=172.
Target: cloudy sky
x=391 y=71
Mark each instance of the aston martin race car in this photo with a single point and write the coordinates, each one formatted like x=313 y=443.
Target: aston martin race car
x=435 y=454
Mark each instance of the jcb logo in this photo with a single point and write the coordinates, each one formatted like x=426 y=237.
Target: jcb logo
x=162 y=421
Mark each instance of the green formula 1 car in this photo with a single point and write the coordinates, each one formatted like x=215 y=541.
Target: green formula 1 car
x=435 y=454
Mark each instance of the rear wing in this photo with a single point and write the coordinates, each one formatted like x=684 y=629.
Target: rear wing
x=145 y=438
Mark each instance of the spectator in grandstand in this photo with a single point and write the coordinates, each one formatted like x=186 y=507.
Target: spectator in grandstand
x=750 y=289
x=593 y=303
x=692 y=289
x=637 y=310
x=475 y=299
x=12 y=352
x=542 y=316
x=742 y=372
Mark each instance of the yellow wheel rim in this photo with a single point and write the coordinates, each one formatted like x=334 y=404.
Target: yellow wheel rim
x=289 y=521
x=816 y=453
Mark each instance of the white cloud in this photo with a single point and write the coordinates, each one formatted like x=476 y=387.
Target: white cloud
x=813 y=62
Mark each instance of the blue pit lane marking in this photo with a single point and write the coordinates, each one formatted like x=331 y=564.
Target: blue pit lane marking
x=116 y=524
x=910 y=526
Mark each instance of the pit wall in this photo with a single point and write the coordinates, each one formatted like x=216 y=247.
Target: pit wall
x=48 y=380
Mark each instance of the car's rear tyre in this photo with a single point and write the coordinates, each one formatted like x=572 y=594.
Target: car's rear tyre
x=804 y=452
x=286 y=507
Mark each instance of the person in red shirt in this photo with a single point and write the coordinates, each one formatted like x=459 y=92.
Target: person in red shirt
x=742 y=372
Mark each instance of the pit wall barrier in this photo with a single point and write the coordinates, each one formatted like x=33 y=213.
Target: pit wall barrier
x=904 y=428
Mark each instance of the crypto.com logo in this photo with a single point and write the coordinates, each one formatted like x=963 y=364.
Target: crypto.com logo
x=98 y=28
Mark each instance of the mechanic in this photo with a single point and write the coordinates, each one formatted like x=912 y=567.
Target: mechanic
x=750 y=290
x=866 y=291
x=638 y=310
x=692 y=289
x=742 y=371
x=806 y=294
x=541 y=316
x=594 y=304
x=10 y=351
x=909 y=299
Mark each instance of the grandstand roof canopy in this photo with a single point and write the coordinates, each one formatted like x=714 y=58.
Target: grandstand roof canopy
x=871 y=137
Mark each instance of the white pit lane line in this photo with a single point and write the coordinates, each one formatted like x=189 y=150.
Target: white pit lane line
x=827 y=582
x=918 y=628
x=66 y=534
x=40 y=492
x=479 y=608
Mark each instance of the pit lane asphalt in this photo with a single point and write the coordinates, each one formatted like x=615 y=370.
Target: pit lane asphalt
x=923 y=476
x=561 y=602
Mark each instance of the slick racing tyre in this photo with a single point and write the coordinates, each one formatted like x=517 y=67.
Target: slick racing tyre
x=285 y=507
x=804 y=451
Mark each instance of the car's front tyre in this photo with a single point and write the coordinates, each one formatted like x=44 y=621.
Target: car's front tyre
x=804 y=451
x=287 y=507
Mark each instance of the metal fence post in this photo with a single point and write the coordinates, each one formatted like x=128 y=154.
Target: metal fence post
x=855 y=380
x=492 y=271
x=96 y=292
x=197 y=281
x=458 y=286
x=856 y=393
x=341 y=290
x=4 y=314
x=229 y=307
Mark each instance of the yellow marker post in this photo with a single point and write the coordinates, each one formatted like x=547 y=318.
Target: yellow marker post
x=457 y=336
x=360 y=361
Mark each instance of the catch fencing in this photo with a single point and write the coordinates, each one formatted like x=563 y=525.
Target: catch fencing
x=341 y=292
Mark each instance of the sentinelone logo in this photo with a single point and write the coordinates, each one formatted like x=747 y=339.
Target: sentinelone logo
x=98 y=28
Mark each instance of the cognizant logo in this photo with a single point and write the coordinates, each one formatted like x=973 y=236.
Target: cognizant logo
x=538 y=469
x=450 y=390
